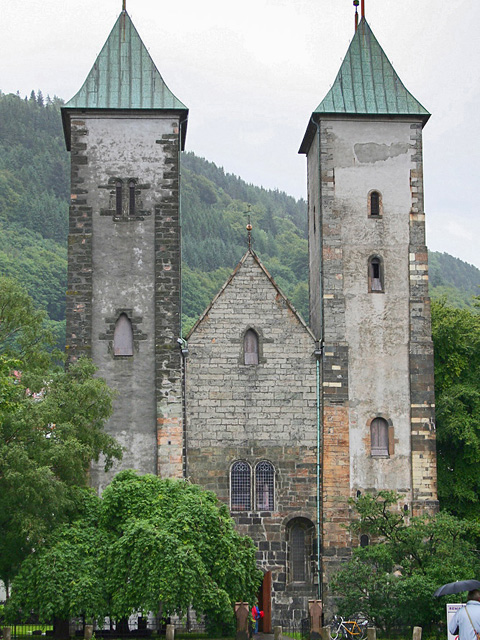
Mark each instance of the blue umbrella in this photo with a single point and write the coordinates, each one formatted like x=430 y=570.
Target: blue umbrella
x=457 y=587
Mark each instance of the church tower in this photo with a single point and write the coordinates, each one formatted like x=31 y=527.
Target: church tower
x=369 y=291
x=125 y=130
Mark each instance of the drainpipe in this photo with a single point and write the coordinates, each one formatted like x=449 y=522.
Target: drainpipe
x=184 y=353
x=318 y=355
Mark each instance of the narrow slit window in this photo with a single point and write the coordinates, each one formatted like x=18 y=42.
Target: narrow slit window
x=379 y=437
x=131 y=197
x=240 y=486
x=250 y=347
x=375 y=204
x=264 y=485
x=375 y=275
x=118 y=198
x=123 y=337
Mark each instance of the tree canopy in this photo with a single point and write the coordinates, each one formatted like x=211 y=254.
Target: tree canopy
x=51 y=427
x=456 y=335
x=147 y=544
x=392 y=580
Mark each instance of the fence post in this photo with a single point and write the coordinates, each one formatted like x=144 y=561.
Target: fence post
x=326 y=635
x=88 y=632
x=170 y=632
x=7 y=633
x=277 y=633
x=371 y=633
x=417 y=633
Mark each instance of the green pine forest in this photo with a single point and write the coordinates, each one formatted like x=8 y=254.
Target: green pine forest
x=34 y=188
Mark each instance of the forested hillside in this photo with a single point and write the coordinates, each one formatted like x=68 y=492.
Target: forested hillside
x=34 y=186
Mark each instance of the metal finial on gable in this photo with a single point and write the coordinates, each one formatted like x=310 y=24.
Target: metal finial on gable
x=249 y=228
x=124 y=5
x=355 y=4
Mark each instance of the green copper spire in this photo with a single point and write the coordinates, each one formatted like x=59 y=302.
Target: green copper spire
x=366 y=85
x=124 y=76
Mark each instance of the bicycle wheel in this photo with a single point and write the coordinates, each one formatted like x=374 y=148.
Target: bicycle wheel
x=358 y=631
x=337 y=633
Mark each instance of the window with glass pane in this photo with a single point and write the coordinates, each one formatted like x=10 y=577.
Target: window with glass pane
x=264 y=485
x=240 y=486
x=297 y=551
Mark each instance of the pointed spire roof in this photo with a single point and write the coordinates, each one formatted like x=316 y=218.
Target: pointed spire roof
x=124 y=76
x=366 y=85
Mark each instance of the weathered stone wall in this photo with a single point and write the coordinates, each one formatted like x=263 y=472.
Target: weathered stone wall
x=377 y=355
x=128 y=262
x=254 y=413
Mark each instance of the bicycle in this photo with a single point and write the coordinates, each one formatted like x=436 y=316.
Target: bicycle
x=342 y=629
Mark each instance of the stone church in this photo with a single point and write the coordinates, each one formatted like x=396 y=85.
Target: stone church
x=284 y=421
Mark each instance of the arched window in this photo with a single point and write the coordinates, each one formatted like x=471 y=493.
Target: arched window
x=364 y=540
x=250 y=347
x=131 y=197
x=375 y=275
x=240 y=486
x=301 y=548
x=379 y=437
x=375 y=204
x=264 y=485
x=123 y=337
x=118 y=198
x=297 y=553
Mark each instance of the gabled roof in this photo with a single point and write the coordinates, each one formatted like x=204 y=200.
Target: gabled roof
x=124 y=76
x=366 y=85
x=251 y=253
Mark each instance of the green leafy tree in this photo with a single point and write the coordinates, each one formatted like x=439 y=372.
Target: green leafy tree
x=51 y=427
x=392 y=581
x=456 y=336
x=146 y=545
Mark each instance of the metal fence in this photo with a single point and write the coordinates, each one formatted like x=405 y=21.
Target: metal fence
x=296 y=628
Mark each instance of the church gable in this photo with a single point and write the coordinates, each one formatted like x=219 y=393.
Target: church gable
x=251 y=285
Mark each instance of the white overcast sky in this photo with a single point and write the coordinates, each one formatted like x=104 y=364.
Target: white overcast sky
x=252 y=72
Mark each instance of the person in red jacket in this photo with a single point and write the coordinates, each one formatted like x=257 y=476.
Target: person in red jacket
x=256 y=615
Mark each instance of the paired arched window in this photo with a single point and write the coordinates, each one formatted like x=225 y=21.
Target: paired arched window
x=250 y=347
x=241 y=486
x=379 y=437
x=123 y=336
x=119 y=197
x=131 y=197
x=375 y=275
x=264 y=485
x=375 y=208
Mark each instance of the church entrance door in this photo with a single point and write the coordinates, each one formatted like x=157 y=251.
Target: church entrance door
x=265 y=603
